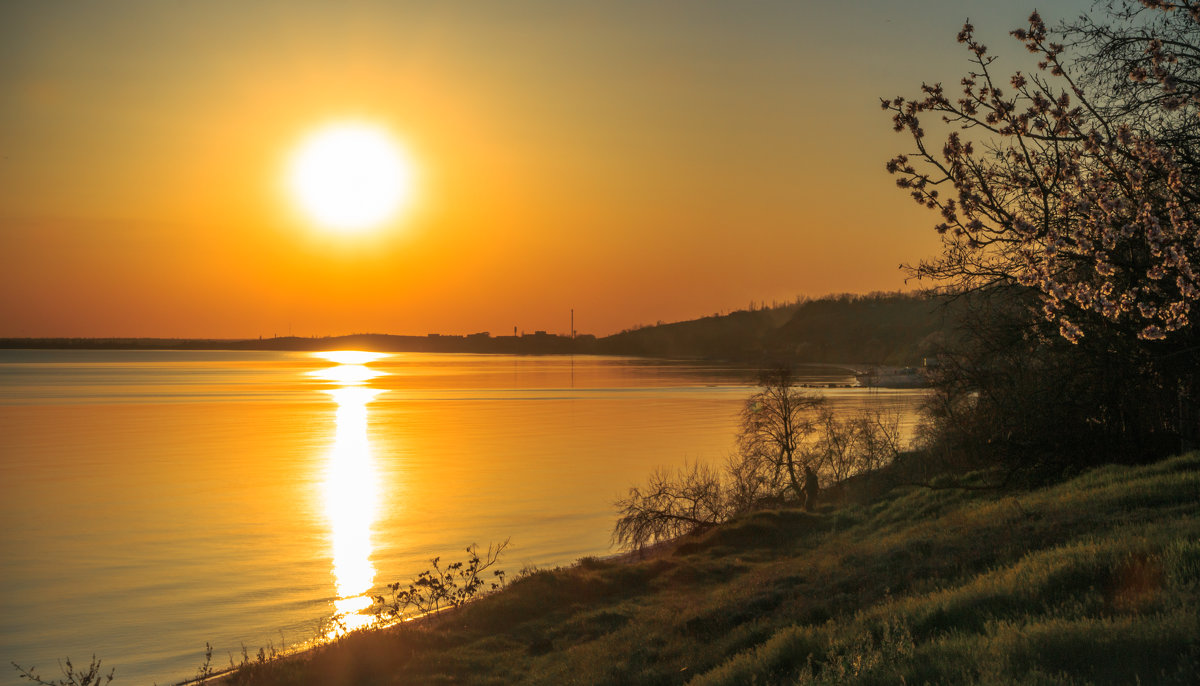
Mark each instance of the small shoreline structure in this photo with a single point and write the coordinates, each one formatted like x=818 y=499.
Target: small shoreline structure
x=892 y=377
x=870 y=376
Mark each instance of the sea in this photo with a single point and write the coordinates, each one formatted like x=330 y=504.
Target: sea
x=158 y=502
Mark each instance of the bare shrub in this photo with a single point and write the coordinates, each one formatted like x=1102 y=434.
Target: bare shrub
x=862 y=442
x=788 y=439
x=877 y=437
x=441 y=588
x=670 y=505
x=91 y=676
x=749 y=482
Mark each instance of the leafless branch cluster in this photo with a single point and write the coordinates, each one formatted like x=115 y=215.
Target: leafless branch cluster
x=785 y=433
x=670 y=505
x=91 y=676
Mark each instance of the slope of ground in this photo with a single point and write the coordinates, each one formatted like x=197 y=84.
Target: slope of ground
x=1095 y=580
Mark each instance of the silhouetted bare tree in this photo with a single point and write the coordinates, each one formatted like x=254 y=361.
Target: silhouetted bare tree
x=671 y=505
x=777 y=422
x=852 y=444
x=787 y=437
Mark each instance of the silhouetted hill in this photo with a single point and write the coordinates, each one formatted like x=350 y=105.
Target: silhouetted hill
x=737 y=335
x=880 y=328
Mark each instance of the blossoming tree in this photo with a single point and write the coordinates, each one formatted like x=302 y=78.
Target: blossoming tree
x=1066 y=194
x=1078 y=181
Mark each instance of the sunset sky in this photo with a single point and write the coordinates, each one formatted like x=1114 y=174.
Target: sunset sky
x=636 y=161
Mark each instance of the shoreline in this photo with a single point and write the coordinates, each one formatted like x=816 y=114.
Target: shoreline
x=781 y=594
x=647 y=553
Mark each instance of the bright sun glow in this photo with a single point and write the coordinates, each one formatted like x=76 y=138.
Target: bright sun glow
x=350 y=176
x=349 y=356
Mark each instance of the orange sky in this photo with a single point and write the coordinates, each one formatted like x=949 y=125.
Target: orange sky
x=633 y=163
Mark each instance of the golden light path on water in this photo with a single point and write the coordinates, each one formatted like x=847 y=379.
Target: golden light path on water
x=351 y=487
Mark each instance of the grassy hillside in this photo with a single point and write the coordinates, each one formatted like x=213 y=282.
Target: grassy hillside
x=1096 y=580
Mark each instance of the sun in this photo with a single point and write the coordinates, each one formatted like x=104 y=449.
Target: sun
x=350 y=176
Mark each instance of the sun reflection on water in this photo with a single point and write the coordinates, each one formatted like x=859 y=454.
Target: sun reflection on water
x=347 y=374
x=350 y=356
x=351 y=490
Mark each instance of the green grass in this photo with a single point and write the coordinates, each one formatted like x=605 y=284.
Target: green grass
x=1095 y=580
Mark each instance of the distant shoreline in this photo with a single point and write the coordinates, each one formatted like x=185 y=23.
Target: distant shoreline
x=857 y=333
x=866 y=375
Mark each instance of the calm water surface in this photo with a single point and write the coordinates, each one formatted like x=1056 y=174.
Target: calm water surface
x=155 y=500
